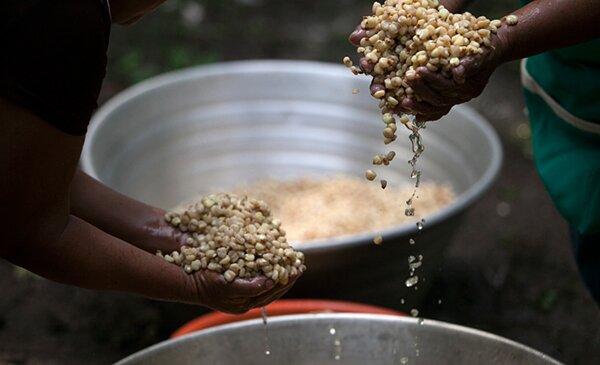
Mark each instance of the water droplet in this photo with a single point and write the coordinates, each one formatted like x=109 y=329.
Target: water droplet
x=264 y=315
x=402 y=301
x=409 y=212
x=264 y=319
x=439 y=301
x=412 y=281
x=420 y=320
x=332 y=331
x=337 y=349
x=411 y=241
x=414 y=312
x=417 y=145
x=355 y=90
x=404 y=360
x=414 y=265
x=419 y=226
x=378 y=240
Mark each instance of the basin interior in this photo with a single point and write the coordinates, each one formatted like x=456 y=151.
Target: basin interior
x=206 y=129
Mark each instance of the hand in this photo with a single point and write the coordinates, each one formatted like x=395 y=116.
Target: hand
x=436 y=94
x=212 y=290
x=161 y=235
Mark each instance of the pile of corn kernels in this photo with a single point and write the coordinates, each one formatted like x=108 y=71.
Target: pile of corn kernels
x=403 y=35
x=235 y=236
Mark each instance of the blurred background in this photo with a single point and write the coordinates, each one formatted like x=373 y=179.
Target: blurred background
x=509 y=269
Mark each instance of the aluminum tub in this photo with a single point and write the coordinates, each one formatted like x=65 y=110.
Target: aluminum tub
x=192 y=131
x=342 y=339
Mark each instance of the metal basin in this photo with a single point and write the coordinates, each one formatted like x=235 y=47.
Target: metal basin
x=188 y=132
x=348 y=339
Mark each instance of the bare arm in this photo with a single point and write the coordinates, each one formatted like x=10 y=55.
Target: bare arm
x=550 y=24
x=37 y=163
x=137 y=223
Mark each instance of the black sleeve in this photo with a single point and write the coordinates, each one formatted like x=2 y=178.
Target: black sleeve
x=53 y=58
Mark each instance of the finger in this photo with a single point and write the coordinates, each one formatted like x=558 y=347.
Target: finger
x=237 y=309
x=271 y=296
x=376 y=87
x=426 y=93
x=449 y=91
x=459 y=72
x=399 y=110
x=278 y=291
x=249 y=288
x=471 y=64
x=420 y=107
x=358 y=34
x=437 y=81
x=429 y=117
x=365 y=65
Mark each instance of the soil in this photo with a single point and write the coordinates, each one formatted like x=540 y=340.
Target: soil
x=508 y=270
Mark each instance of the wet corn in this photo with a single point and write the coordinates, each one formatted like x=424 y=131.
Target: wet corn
x=403 y=35
x=235 y=236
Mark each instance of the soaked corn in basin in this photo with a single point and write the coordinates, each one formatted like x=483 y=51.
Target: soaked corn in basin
x=343 y=205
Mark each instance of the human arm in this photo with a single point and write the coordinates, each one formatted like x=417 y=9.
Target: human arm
x=126 y=12
x=41 y=234
x=132 y=221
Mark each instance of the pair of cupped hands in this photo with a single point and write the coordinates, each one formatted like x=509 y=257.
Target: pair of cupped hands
x=209 y=288
x=436 y=93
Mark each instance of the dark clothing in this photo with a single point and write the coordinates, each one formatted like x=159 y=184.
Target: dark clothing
x=53 y=58
x=586 y=249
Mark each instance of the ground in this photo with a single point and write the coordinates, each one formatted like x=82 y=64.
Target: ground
x=508 y=270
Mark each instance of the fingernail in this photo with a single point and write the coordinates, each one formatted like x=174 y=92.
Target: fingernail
x=365 y=65
x=376 y=87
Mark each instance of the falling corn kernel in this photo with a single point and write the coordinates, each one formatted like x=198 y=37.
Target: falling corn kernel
x=370 y=175
x=378 y=239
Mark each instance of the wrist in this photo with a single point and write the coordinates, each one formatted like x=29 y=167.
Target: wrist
x=502 y=44
x=158 y=234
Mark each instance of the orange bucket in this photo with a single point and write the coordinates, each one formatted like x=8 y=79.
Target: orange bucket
x=282 y=307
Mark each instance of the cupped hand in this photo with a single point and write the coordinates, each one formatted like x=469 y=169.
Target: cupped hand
x=210 y=289
x=161 y=235
x=435 y=94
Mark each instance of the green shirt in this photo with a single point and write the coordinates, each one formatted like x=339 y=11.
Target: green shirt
x=567 y=158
